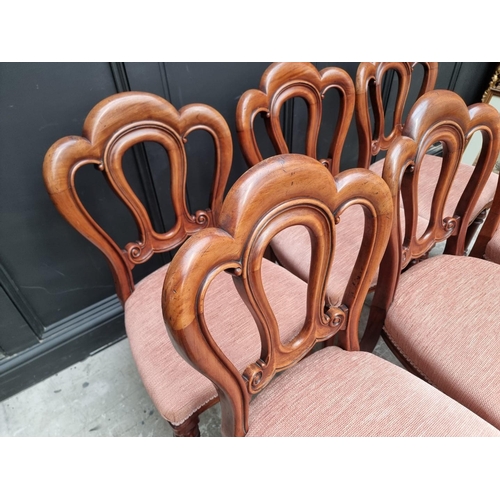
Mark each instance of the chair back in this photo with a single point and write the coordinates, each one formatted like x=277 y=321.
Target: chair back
x=369 y=95
x=282 y=82
x=277 y=193
x=111 y=128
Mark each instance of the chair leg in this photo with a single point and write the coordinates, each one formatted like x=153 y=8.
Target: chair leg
x=270 y=255
x=473 y=229
x=373 y=329
x=189 y=428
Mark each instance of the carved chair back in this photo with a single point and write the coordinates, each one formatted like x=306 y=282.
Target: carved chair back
x=438 y=116
x=369 y=89
x=282 y=82
x=111 y=128
x=275 y=194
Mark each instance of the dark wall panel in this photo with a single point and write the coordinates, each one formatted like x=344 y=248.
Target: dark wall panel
x=15 y=333
x=219 y=85
x=39 y=104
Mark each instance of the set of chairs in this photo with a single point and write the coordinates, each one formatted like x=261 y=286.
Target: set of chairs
x=221 y=320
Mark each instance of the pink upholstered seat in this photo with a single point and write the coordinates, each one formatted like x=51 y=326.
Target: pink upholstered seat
x=349 y=234
x=176 y=389
x=429 y=172
x=360 y=395
x=493 y=248
x=445 y=319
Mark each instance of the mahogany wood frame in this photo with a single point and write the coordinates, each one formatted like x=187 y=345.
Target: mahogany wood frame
x=438 y=116
x=372 y=139
x=112 y=127
x=275 y=194
x=369 y=83
x=284 y=81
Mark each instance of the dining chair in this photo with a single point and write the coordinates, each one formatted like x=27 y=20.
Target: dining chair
x=335 y=391
x=112 y=127
x=378 y=128
x=279 y=84
x=440 y=316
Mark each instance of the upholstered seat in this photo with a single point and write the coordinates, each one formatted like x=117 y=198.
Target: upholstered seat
x=176 y=388
x=451 y=341
x=361 y=395
x=349 y=237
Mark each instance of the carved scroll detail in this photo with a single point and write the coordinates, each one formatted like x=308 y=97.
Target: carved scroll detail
x=450 y=224
x=111 y=128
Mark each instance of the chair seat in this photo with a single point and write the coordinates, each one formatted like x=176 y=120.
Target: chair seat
x=292 y=247
x=429 y=174
x=361 y=395
x=492 y=251
x=177 y=390
x=465 y=365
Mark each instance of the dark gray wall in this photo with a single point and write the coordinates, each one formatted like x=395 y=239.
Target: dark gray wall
x=57 y=302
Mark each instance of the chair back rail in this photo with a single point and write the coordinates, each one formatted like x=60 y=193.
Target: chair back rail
x=111 y=128
x=275 y=194
x=282 y=82
x=369 y=87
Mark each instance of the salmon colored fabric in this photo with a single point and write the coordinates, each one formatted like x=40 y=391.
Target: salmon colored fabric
x=339 y=393
x=177 y=389
x=445 y=322
x=429 y=174
x=292 y=247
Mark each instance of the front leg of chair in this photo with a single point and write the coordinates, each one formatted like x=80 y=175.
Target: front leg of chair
x=270 y=255
x=188 y=428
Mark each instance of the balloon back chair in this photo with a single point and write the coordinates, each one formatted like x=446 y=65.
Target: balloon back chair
x=335 y=391
x=374 y=137
x=280 y=83
x=111 y=128
x=442 y=321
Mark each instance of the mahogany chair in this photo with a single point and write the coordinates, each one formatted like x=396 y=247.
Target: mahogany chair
x=443 y=320
x=111 y=128
x=336 y=391
x=374 y=138
x=280 y=83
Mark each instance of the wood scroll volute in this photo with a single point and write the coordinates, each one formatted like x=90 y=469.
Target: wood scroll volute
x=111 y=128
x=369 y=86
x=284 y=81
x=277 y=193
